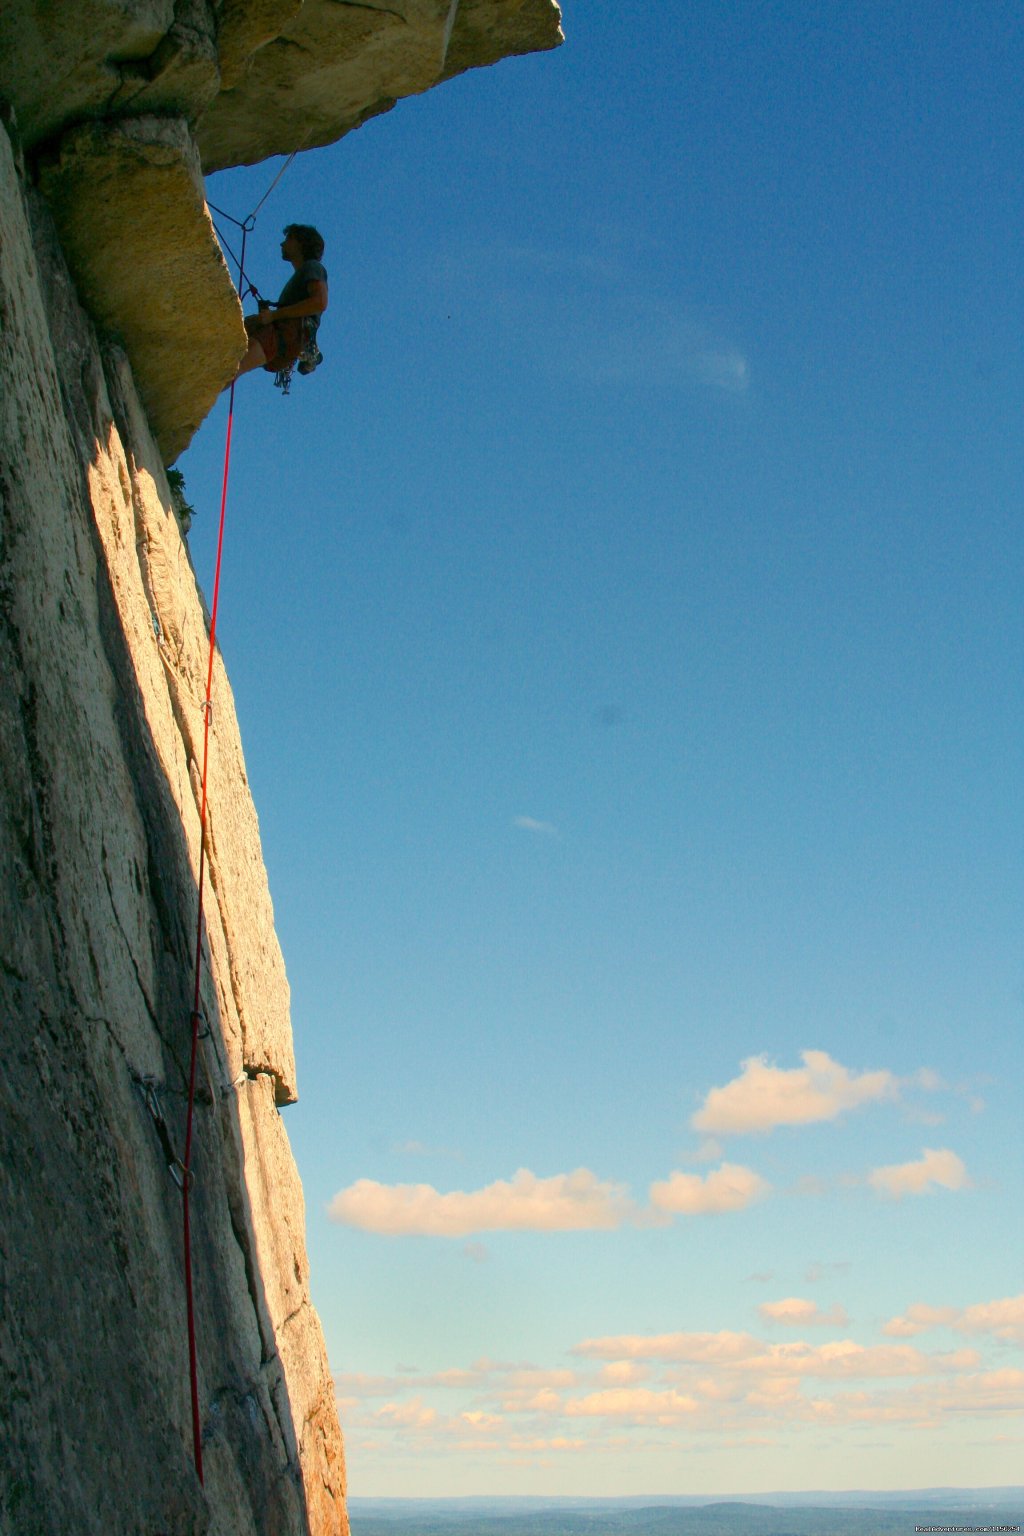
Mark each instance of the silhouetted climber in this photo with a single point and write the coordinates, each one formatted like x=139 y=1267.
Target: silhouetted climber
x=284 y=334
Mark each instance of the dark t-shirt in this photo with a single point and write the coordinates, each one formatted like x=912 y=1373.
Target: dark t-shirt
x=297 y=287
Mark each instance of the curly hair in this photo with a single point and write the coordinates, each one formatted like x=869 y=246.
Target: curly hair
x=310 y=239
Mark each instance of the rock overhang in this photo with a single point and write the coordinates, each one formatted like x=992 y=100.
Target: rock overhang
x=123 y=104
x=127 y=198
x=335 y=63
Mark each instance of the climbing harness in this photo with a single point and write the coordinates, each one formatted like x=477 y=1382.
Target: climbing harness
x=309 y=357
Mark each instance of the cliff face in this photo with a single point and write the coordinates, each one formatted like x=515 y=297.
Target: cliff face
x=102 y=669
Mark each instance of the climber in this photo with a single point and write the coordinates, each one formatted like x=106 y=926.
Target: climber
x=284 y=334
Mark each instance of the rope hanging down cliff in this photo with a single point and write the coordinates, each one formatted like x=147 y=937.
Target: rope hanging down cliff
x=196 y=1017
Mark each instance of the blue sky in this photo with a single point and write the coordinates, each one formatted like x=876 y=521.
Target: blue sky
x=625 y=631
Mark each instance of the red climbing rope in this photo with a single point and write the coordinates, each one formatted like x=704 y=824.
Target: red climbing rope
x=187 y=1175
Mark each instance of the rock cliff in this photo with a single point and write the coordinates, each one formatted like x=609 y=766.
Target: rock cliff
x=117 y=106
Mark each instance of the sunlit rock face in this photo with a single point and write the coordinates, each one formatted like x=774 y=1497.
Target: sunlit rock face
x=103 y=654
x=122 y=104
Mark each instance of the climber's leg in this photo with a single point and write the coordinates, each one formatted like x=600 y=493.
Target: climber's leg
x=255 y=357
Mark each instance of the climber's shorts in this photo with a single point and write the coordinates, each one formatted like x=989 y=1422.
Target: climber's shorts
x=282 y=341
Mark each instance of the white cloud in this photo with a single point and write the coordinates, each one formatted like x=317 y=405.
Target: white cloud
x=728 y=1188
x=797 y=1312
x=545 y=1400
x=633 y=1404
x=566 y=1202
x=1003 y=1318
x=529 y=824
x=706 y=1348
x=414 y=1148
x=622 y=1373
x=412 y=1415
x=723 y=369
x=764 y=1095
x=477 y=1418
x=726 y=1388
x=919 y=1318
x=935 y=1166
x=533 y=1378
x=741 y=1354
x=841 y=1359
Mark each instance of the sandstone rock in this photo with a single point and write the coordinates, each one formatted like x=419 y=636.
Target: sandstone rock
x=243 y=61
x=333 y=64
x=102 y=639
x=245 y=25
x=96 y=59
x=60 y=64
x=290 y=1321
x=128 y=201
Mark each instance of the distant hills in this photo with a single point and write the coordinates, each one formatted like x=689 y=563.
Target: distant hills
x=840 y=1514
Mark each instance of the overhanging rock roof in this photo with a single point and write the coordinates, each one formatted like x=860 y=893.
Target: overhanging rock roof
x=124 y=104
x=335 y=63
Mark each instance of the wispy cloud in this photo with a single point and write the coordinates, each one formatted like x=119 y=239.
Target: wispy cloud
x=414 y=1148
x=765 y=1096
x=936 y=1167
x=613 y=332
x=798 y=1312
x=530 y=824
x=729 y=1188
x=726 y=369
x=631 y=338
x=818 y=1271
x=566 y=1202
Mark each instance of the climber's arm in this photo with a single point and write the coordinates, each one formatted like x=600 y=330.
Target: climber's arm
x=314 y=305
